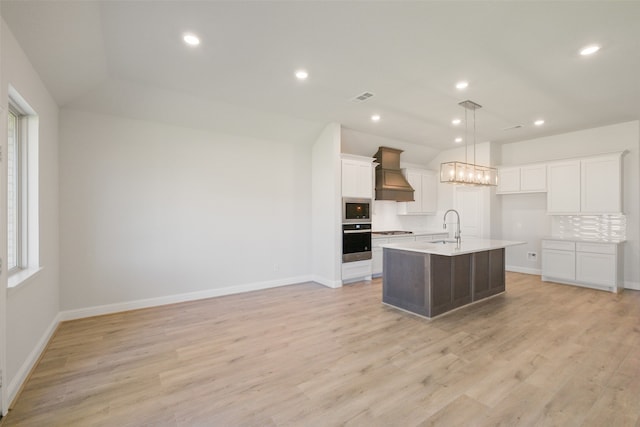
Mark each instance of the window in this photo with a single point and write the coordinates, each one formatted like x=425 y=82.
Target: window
x=22 y=190
x=16 y=223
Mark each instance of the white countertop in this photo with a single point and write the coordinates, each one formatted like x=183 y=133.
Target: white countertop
x=468 y=246
x=582 y=239
x=413 y=233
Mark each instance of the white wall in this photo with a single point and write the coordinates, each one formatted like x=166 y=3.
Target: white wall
x=151 y=210
x=326 y=207
x=524 y=218
x=32 y=308
x=529 y=211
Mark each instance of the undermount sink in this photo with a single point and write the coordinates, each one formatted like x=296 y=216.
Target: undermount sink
x=442 y=242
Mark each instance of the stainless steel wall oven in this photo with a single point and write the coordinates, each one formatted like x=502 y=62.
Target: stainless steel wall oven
x=356 y=242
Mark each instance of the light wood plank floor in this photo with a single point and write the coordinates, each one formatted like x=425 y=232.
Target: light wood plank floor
x=305 y=355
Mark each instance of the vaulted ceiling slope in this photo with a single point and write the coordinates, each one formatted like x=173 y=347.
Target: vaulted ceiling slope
x=520 y=58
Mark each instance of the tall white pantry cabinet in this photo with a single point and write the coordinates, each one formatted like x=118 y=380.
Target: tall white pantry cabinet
x=357 y=182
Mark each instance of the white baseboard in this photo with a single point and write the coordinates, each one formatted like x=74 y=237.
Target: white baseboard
x=172 y=299
x=524 y=270
x=30 y=362
x=632 y=285
x=326 y=282
x=357 y=279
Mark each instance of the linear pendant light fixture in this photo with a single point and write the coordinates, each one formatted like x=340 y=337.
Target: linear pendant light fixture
x=468 y=173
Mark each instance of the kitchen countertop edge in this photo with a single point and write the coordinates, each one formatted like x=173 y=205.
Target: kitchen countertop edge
x=449 y=249
x=374 y=234
x=583 y=239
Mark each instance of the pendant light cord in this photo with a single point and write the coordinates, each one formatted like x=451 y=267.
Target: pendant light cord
x=466 y=136
x=474 y=137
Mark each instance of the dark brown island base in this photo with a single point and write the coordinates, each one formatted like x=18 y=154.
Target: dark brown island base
x=429 y=279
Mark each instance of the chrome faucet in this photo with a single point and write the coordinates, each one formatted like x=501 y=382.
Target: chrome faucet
x=457 y=233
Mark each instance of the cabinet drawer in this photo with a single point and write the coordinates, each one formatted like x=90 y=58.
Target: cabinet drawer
x=358 y=269
x=559 y=245
x=596 y=248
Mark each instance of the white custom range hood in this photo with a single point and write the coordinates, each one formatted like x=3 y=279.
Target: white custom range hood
x=390 y=183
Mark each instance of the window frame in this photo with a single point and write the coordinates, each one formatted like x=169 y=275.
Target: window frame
x=20 y=165
x=28 y=234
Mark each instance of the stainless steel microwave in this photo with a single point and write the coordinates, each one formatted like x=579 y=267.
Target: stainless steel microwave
x=356 y=210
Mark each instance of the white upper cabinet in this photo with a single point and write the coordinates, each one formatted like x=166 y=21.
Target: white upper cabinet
x=522 y=179
x=585 y=186
x=563 y=196
x=425 y=195
x=508 y=180
x=357 y=177
x=533 y=178
x=601 y=185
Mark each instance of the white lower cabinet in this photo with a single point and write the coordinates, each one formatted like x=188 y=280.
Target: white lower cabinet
x=376 y=256
x=594 y=265
x=377 y=251
x=559 y=264
x=597 y=269
x=356 y=271
x=558 y=259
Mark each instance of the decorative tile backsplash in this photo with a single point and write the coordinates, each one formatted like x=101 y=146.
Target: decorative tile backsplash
x=607 y=227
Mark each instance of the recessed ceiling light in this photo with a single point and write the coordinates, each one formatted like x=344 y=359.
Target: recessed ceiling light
x=302 y=74
x=191 y=39
x=458 y=140
x=462 y=85
x=589 y=50
x=456 y=122
x=375 y=118
x=539 y=122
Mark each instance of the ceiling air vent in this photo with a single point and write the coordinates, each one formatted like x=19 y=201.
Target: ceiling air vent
x=362 y=97
x=512 y=127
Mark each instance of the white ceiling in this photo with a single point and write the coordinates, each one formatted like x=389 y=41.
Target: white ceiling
x=520 y=58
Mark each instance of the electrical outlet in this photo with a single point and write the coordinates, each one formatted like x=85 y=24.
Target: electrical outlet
x=532 y=255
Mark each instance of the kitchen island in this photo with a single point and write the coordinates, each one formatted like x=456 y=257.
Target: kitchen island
x=431 y=278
